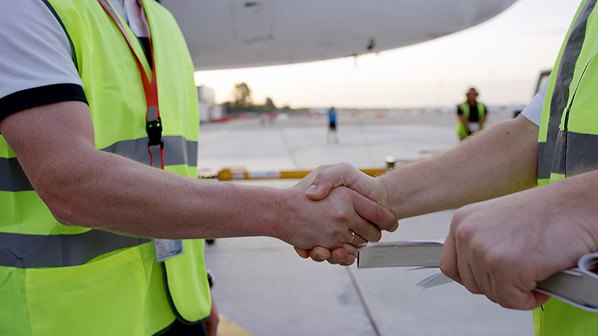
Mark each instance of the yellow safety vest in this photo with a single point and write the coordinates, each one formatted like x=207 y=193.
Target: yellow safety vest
x=71 y=280
x=568 y=144
x=461 y=128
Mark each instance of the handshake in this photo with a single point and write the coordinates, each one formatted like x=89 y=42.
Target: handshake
x=344 y=209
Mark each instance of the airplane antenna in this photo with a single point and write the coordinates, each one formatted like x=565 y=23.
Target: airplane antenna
x=371 y=44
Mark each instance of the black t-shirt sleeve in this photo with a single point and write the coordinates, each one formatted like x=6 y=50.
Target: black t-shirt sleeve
x=40 y=96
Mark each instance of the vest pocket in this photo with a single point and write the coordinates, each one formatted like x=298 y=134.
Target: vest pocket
x=103 y=297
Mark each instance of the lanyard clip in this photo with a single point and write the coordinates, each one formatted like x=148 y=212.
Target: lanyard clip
x=154 y=132
x=155 y=145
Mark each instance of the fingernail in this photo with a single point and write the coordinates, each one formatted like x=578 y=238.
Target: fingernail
x=312 y=189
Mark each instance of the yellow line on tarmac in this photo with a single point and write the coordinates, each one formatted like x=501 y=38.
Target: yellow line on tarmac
x=228 y=174
x=228 y=327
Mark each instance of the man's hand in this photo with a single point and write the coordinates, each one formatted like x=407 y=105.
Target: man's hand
x=211 y=323
x=503 y=248
x=327 y=178
x=344 y=216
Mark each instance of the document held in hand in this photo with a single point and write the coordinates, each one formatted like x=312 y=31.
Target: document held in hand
x=576 y=286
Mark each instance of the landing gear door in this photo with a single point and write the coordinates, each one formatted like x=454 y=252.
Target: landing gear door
x=253 y=20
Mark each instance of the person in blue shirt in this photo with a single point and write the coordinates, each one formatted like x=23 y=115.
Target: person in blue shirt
x=332 y=125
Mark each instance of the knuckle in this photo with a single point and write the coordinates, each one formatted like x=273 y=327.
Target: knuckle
x=447 y=269
x=462 y=213
x=345 y=166
x=465 y=233
x=320 y=177
x=338 y=233
x=455 y=222
x=341 y=216
x=496 y=262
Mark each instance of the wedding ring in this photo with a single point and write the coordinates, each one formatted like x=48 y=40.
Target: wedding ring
x=353 y=237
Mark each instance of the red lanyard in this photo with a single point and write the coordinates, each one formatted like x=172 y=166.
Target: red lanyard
x=153 y=123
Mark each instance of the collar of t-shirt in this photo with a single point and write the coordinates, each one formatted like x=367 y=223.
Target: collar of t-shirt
x=132 y=12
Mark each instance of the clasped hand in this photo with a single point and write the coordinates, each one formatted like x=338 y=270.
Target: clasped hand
x=351 y=197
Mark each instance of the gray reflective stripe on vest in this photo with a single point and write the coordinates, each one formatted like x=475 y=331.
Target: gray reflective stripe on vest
x=12 y=176
x=544 y=159
x=27 y=251
x=560 y=94
x=177 y=151
x=580 y=154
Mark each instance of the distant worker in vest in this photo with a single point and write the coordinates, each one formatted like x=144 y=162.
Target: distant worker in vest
x=101 y=211
x=526 y=202
x=332 y=125
x=471 y=115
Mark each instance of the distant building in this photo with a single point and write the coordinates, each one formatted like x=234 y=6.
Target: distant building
x=208 y=109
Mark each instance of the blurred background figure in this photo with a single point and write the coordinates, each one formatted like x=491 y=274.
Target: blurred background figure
x=471 y=115
x=332 y=125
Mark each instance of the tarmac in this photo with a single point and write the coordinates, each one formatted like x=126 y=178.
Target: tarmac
x=263 y=288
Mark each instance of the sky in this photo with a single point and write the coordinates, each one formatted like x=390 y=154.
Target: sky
x=501 y=57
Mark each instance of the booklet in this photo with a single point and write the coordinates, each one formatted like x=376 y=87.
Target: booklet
x=416 y=253
x=576 y=286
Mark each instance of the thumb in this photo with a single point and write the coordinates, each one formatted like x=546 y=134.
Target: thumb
x=318 y=192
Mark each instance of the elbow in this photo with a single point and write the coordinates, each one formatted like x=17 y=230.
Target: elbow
x=61 y=202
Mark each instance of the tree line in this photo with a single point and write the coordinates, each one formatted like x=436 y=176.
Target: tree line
x=242 y=101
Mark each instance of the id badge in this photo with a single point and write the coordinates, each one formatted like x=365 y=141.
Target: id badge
x=167 y=248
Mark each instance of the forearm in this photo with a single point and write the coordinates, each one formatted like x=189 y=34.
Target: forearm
x=496 y=162
x=155 y=203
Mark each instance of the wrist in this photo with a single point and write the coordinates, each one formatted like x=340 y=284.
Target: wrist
x=405 y=188
x=575 y=194
x=385 y=201
x=284 y=213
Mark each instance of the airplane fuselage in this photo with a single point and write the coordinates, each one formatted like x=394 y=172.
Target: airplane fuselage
x=243 y=33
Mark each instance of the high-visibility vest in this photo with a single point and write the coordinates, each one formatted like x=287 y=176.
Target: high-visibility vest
x=461 y=128
x=71 y=280
x=568 y=144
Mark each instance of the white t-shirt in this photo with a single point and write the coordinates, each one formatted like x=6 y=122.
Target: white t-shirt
x=533 y=110
x=36 y=61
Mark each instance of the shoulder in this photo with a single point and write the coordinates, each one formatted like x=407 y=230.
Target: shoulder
x=30 y=25
x=35 y=52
